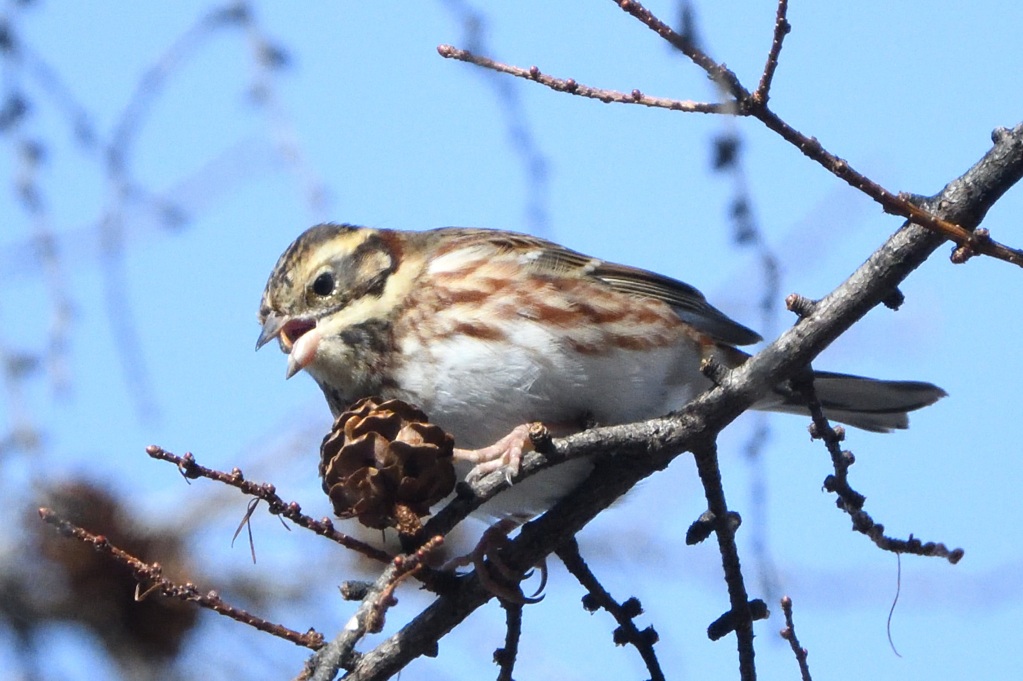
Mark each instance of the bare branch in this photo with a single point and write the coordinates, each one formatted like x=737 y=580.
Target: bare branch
x=968 y=242
x=151 y=580
x=624 y=613
x=268 y=493
x=742 y=613
x=849 y=500
x=781 y=29
x=789 y=634
x=750 y=105
x=896 y=204
x=572 y=87
x=718 y=72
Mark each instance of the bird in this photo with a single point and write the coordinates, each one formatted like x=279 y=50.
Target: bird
x=488 y=331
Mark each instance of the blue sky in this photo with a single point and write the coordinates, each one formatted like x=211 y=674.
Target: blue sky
x=389 y=134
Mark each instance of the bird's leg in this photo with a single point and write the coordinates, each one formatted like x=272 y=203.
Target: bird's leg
x=486 y=560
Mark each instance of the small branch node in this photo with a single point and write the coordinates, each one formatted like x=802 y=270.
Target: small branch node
x=960 y=254
x=701 y=528
x=713 y=369
x=894 y=299
x=352 y=590
x=540 y=437
x=802 y=306
x=754 y=610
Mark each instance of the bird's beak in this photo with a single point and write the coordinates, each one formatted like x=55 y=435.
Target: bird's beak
x=299 y=338
x=272 y=327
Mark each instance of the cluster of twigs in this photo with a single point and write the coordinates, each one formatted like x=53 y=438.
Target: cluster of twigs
x=645 y=448
x=969 y=241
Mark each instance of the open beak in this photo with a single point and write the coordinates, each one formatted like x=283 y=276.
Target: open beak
x=272 y=328
x=298 y=336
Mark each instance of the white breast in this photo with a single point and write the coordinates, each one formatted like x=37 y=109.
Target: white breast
x=480 y=389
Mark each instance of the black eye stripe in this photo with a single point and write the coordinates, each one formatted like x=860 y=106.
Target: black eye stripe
x=375 y=286
x=363 y=272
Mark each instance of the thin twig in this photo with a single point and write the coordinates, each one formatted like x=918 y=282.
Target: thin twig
x=505 y=657
x=150 y=579
x=718 y=72
x=268 y=493
x=571 y=86
x=624 y=613
x=789 y=634
x=369 y=617
x=742 y=613
x=781 y=29
x=849 y=500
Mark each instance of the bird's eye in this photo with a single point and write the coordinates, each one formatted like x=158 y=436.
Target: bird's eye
x=324 y=284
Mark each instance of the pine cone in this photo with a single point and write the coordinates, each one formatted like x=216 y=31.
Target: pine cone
x=383 y=463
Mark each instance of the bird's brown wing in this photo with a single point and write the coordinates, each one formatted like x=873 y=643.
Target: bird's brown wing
x=545 y=256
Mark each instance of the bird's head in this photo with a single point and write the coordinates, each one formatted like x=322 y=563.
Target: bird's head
x=331 y=281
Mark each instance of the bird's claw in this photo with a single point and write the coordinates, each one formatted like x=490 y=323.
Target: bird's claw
x=504 y=455
x=486 y=560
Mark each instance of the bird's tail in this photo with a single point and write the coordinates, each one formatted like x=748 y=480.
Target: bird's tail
x=868 y=403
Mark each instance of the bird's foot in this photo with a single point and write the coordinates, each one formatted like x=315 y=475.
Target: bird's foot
x=504 y=455
x=494 y=573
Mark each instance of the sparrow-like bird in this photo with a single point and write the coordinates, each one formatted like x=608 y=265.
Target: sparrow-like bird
x=488 y=330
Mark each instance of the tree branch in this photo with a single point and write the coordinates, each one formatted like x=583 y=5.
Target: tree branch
x=150 y=579
x=644 y=448
x=624 y=613
x=969 y=241
x=781 y=29
x=570 y=85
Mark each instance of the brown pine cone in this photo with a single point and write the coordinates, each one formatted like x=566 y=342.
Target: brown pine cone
x=383 y=463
